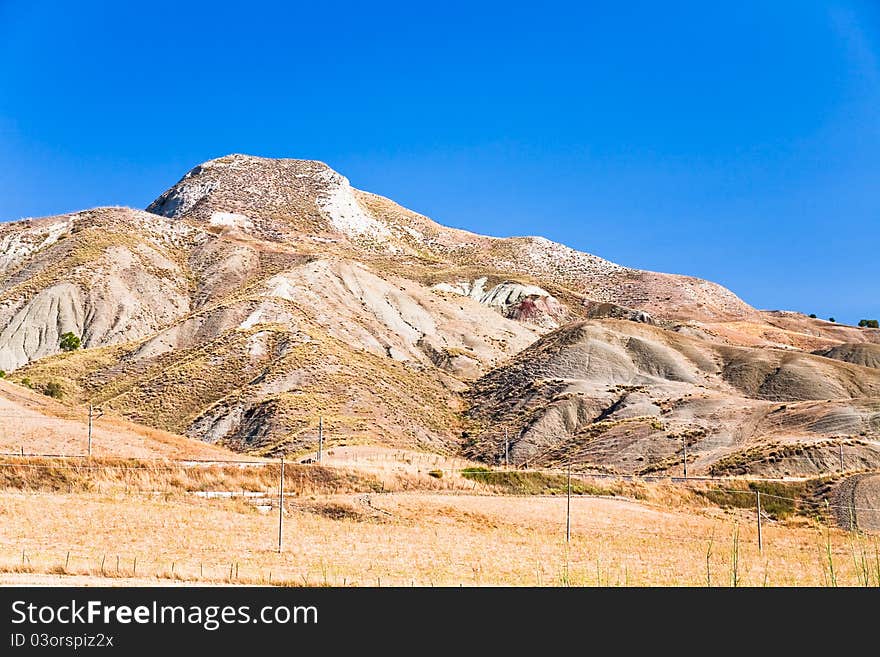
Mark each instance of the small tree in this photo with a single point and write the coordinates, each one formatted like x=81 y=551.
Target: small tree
x=831 y=319
x=812 y=315
x=53 y=389
x=869 y=323
x=70 y=342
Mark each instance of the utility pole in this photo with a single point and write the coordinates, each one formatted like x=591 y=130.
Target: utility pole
x=840 y=447
x=320 y=438
x=281 y=508
x=506 y=450
x=91 y=416
x=758 y=509
x=685 y=444
x=568 y=507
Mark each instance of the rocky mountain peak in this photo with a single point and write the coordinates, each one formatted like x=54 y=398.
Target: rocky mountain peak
x=273 y=199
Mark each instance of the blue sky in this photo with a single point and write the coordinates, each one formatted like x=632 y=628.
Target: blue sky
x=734 y=140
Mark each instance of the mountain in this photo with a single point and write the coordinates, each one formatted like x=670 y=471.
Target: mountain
x=256 y=295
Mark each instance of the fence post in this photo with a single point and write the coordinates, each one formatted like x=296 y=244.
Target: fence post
x=320 y=438
x=758 y=509
x=281 y=508
x=568 y=507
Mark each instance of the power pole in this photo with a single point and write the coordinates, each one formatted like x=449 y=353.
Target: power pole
x=281 y=508
x=320 y=438
x=758 y=509
x=568 y=507
x=685 y=443
x=91 y=416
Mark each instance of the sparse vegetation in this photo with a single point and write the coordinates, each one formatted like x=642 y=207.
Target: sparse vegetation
x=53 y=389
x=869 y=323
x=779 y=500
x=533 y=483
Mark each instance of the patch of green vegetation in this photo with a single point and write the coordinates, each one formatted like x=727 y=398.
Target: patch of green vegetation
x=437 y=474
x=779 y=500
x=531 y=483
x=70 y=342
x=53 y=389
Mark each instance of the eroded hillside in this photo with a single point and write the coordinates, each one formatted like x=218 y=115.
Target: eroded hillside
x=256 y=295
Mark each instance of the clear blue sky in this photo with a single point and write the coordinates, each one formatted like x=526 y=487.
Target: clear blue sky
x=733 y=140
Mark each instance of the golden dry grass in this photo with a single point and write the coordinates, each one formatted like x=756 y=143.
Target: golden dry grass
x=38 y=424
x=406 y=538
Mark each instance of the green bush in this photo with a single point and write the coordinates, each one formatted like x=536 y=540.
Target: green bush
x=869 y=323
x=53 y=389
x=831 y=319
x=437 y=474
x=2 y=374
x=812 y=315
x=26 y=382
x=70 y=342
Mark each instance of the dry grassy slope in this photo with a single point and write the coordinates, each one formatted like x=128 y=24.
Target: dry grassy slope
x=257 y=373
x=36 y=424
x=624 y=396
x=585 y=276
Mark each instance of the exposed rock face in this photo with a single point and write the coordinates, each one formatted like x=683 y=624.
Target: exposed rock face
x=526 y=303
x=256 y=295
x=596 y=310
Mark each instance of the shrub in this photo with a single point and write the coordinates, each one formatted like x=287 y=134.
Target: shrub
x=869 y=323
x=437 y=474
x=2 y=374
x=53 y=389
x=831 y=319
x=812 y=315
x=70 y=342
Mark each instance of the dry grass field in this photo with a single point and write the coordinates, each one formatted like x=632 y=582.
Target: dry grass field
x=147 y=524
x=369 y=516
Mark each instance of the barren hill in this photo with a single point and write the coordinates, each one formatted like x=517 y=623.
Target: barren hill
x=626 y=397
x=256 y=295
